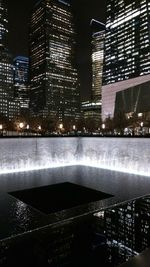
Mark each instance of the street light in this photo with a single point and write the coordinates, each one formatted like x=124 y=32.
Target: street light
x=103 y=126
x=28 y=127
x=21 y=125
x=1 y=129
x=61 y=126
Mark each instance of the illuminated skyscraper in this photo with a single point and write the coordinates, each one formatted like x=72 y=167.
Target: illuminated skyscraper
x=53 y=73
x=21 y=80
x=3 y=25
x=92 y=109
x=8 y=108
x=21 y=70
x=127 y=47
x=98 y=39
x=127 y=54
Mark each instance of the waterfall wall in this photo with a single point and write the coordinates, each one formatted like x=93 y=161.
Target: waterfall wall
x=130 y=155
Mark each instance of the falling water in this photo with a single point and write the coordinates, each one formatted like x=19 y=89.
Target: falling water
x=129 y=155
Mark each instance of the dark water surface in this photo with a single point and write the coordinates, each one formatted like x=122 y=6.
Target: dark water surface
x=124 y=185
x=17 y=217
x=28 y=235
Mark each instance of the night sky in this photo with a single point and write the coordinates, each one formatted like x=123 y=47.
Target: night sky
x=84 y=11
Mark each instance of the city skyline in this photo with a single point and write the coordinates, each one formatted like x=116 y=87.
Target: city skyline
x=83 y=11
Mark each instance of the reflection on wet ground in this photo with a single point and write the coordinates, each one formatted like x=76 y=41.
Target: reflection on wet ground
x=50 y=236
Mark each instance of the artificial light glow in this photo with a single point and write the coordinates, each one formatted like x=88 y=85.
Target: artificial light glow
x=61 y=126
x=21 y=125
x=86 y=163
x=36 y=168
x=103 y=126
x=1 y=127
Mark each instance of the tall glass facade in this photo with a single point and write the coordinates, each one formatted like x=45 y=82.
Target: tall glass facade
x=3 y=25
x=21 y=79
x=21 y=70
x=92 y=109
x=127 y=47
x=6 y=68
x=98 y=39
x=53 y=73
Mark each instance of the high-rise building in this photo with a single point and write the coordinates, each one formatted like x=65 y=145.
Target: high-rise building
x=92 y=109
x=53 y=72
x=21 y=81
x=127 y=46
x=98 y=40
x=3 y=26
x=127 y=49
x=21 y=70
x=7 y=107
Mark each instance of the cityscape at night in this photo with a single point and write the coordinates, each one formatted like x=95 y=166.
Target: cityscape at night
x=74 y=133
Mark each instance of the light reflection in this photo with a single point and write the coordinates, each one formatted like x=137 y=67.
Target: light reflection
x=86 y=163
x=21 y=211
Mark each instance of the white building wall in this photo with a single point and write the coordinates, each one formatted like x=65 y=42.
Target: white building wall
x=109 y=93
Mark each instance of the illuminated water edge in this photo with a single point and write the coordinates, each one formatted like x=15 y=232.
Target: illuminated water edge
x=121 y=155
x=82 y=163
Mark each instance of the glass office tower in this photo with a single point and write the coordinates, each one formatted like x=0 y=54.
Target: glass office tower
x=21 y=69
x=53 y=73
x=98 y=40
x=8 y=108
x=3 y=25
x=21 y=80
x=92 y=109
x=127 y=47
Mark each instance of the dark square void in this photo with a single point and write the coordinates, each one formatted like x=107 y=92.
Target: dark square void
x=57 y=197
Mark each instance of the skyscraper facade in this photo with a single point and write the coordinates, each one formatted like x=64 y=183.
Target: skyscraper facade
x=127 y=46
x=92 y=109
x=21 y=80
x=7 y=107
x=127 y=52
x=98 y=40
x=3 y=26
x=21 y=69
x=53 y=72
